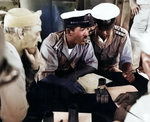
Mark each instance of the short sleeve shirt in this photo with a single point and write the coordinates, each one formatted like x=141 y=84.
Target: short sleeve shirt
x=115 y=51
x=54 y=51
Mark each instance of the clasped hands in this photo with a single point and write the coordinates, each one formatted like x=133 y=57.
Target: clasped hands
x=129 y=76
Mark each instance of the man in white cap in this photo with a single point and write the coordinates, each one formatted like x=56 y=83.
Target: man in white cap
x=113 y=48
x=111 y=43
x=12 y=84
x=140 y=111
x=68 y=53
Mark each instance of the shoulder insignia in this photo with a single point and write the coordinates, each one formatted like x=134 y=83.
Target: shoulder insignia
x=59 y=42
x=57 y=45
x=119 y=31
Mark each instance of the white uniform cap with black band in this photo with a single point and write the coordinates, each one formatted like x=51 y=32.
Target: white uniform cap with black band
x=105 y=11
x=105 y=14
x=76 y=13
x=78 y=18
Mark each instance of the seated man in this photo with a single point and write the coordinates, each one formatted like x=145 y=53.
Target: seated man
x=22 y=32
x=112 y=47
x=12 y=84
x=27 y=50
x=67 y=53
x=138 y=107
x=111 y=42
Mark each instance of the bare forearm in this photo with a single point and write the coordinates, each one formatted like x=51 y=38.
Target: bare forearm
x=132 y=2
x=80 y=72
x=127 y=72
x=127 y=67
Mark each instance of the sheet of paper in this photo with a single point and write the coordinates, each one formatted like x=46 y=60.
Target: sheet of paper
x=142 y=74
x=90 y=82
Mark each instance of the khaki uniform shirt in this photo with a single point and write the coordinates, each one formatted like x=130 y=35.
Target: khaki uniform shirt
x=13 y=94
x=54 y=50
x=114 y=50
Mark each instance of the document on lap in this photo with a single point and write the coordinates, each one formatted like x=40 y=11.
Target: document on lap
x=90 y=82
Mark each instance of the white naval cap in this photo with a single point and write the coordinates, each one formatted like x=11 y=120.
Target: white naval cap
x=145 y=43
x=78 y=17
x=75 y=13
x=105 y=11
x=105 y=14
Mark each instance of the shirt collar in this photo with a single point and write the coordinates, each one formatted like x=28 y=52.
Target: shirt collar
x=106 y=42
x=65 y=46
x=109 y=40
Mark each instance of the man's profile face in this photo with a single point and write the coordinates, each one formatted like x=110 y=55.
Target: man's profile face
x=32 y=36
x=80 y=35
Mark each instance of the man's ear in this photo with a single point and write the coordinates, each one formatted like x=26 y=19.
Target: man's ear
x=20 y=32
x=68 y=31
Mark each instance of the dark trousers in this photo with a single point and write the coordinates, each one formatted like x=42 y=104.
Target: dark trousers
x=45 y=97
x=39 y=99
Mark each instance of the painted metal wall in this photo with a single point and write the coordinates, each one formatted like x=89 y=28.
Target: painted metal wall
x=51 y=9
x=89 y=4
x=5 y=5
x=46 y=7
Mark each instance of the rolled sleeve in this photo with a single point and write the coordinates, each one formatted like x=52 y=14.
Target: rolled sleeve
x=126 y=55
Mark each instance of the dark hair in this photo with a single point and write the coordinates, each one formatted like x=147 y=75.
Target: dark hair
x=72 y=27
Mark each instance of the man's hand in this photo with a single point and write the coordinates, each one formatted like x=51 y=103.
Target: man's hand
x=128 y=98
x=129 y=76
x=140 y=69
x=120 y=114
x=135 y=8
x=34 y=57
x=127 y=72
x=114 y=69
x=73 y=86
